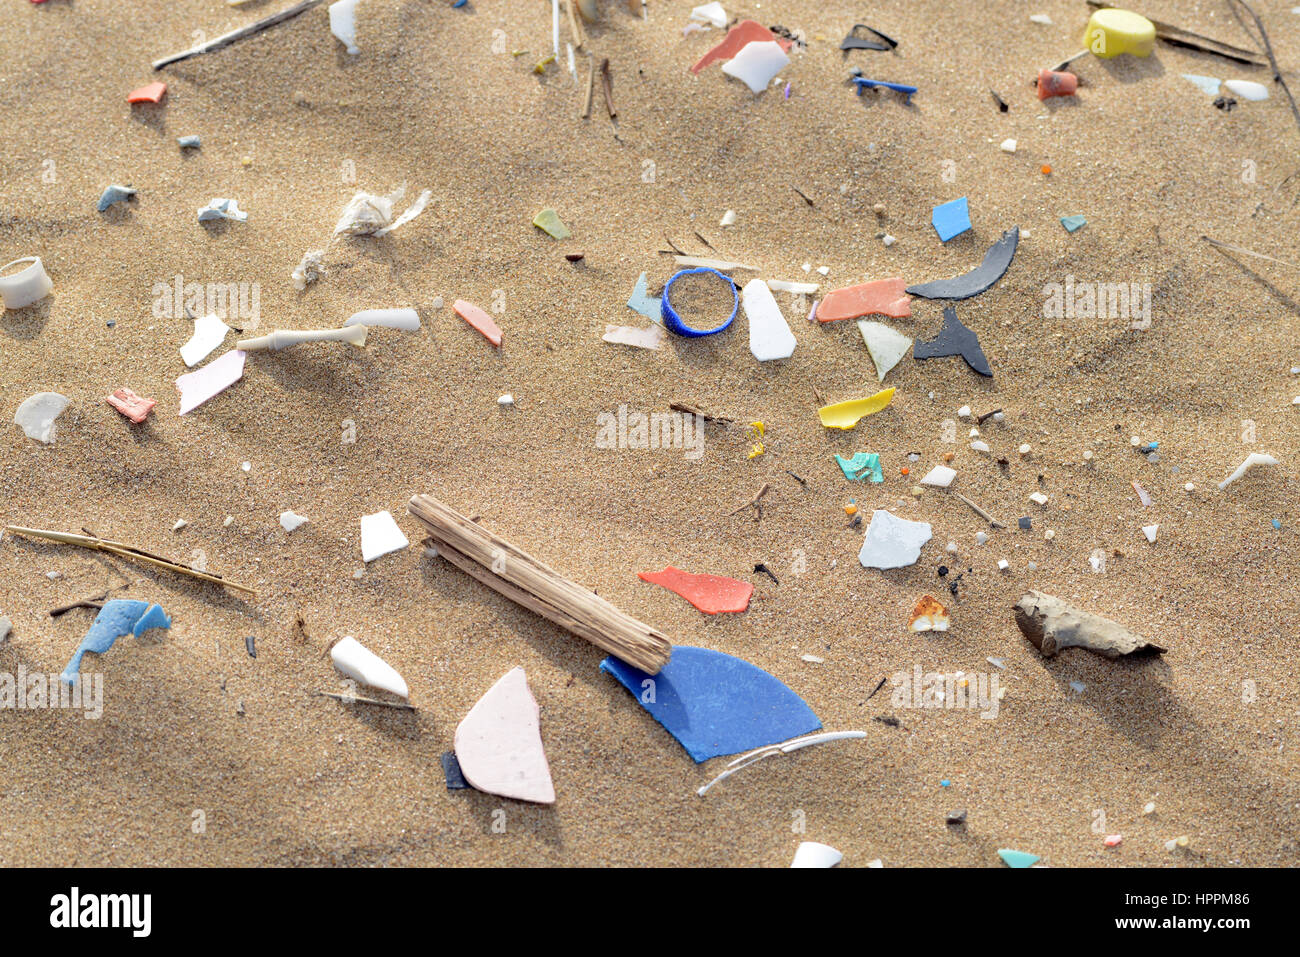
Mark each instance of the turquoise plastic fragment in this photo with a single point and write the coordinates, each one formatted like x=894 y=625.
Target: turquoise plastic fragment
x=951 y=219
x=1073 y=224
x=188 y=142
x=114 y=194
x=1017 y=858
x=115 y=619
x=1208 y=85
x=853 y=468
x=640 y=302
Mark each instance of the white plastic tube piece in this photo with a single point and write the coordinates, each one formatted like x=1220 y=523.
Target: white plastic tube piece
x=283 y=338
x=405 y=319
x=343 y=24
x=26 y=286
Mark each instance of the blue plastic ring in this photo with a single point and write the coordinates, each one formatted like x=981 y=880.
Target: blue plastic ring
x=674 y=321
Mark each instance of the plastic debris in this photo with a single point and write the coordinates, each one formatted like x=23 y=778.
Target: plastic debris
x=728 y=218
x=451 y=771
x=996 y=262
x=36 y=415
x=951 y=219
x=23 y=287
x=499 y=743
x=800 y=288
x=757 y=63
x=1008 y=145
x=812 y=854
x=1247 y=89
x=134 y=407
x=548 y=220
x=1142 y=495
x=711 y=594
x=1208 y=85
x=209 y=332
x=117 y=618
x=887 y=297
x=651 y=337
x=769 y=334
x=642 y=303
x=1150 y=532
x=715 y=704
x=886 y=346
x=408 y=320
x=380 y=536
x=719 y=265
x=845 y=415
x=369 y=215
x=215 y=377
x=711 y=13
x=1056 y=83
x=361 y=664
x=149 y=93
x=940 y=476
x=928 y=615
x=863 y=83
x=343 y=24
x=1041 y=19
x=892 y=542
x=1051 y=625
x=114 y=194
x=1252 y=460
x=855 y=42
x=188 y=142
x=309 y=269
x=291 y=520
x=1017 y=858
x=785 y=747
x=1113 y=840
x=478 y=319
x=738 y=37
x=221 y=208
x=284 y=338
x=1112 y=31
x=954 y=339
x=1074 y=223
x=673 y=322
x=863 y=465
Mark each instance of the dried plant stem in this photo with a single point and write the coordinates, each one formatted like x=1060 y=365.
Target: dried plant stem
x=236 y=35
x=979 y=511
x=354 y=699
x=524 y=580
x=591 y=86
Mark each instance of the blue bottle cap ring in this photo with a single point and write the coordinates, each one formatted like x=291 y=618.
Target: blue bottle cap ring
x=674 y=321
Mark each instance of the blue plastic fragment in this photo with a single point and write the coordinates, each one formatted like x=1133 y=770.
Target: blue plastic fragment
x=458 y=4
x=673 y=322
x=853 y=468
x=1017 y=858
x=951 y=219
x=642 y=303
x=188 y=142
x=863 y=83
x=1277 y=523
x=714 y=704
x=1073 y=224
x=114 y=194
x=117 y=618
x=945 y=783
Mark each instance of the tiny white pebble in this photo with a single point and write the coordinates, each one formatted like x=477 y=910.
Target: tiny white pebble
x=246 y=466
x=980 y=446
x=180 y=523
x=1024 y=448
x=963 y=412
x=1008 y=146
x=951 y=548
x=506 y=399
x=1049 y=534
x=226 y=523
x=981 y=538
x=812 y=659
x=999 y=416
x=889 y=240
x=1003 y=564
x=1134 y=441
x=1087 y=455
x=1189 y=487
x=824 y=270
x=1039 y=498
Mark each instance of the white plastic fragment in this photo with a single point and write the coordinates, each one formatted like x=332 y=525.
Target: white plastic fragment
x=180 y=523
x=1003 y=564
x=407 y=320
x=505 y=400
x=981 y=538
x=964 y=412
x=651 y=337
x=728 y=218
x=290 y=520
x=361 y=664
x=769 y=334
x=284 y=338
x=892 y=542
x=887 y=347
x=712 y=13
x=813 y=854
x=1040 y=18
x=1038 y=498
x=343 y=24
x=1008 y=145
x=369 y=215
x=757 y=63
x=1150 y=532
x=218 y=375
x=309 y=269
x=812 y=659
x=25 y=286
x=37 y=413
x=1252 y=460
x=888 y=240
x=979 y=445
x=220 y=208
x=781 y=285
x=940 y=476
x=209 y=332
x=1247 y=89
x=380 y=535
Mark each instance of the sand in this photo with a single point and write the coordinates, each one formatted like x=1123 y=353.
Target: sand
x=205 y=756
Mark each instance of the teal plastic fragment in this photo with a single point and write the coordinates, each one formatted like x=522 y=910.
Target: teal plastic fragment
x=862 y=461
x=1017 y=858
x=1073 y=224
x=646 y=305
x=1208 y=85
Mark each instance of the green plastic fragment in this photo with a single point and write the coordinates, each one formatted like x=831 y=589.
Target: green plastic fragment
x=1017 y=858
x=855 y=469
x=549 y=221
x=1073 y=224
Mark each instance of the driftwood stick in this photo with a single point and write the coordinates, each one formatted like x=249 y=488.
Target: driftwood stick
x=523 y=579
x=236 y=35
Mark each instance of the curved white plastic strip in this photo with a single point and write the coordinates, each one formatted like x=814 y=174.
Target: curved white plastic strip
x=361 y=664
x=26 y=286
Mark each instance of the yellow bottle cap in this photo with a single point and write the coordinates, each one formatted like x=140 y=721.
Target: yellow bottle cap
x=1112 y=31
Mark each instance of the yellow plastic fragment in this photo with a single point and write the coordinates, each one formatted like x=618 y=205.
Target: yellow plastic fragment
x=1112 y=31
x=758 y=428
x=845 y=415
x=549 y=221
x=756 y=451
x=542 y=65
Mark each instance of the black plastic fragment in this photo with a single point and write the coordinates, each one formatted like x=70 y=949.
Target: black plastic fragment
x=1002 y=104
x=855 y=42
x=1026 y=524
x=954 y=339
x=451 y=769
x=996 y=262
x=251 y=644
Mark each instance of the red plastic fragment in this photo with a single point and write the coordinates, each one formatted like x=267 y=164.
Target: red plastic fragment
x=709 y=593
x=479 y=319
x=151 y=93
x=887 y=297
x=134 y=407
x=746 y=31
x=1052 y=83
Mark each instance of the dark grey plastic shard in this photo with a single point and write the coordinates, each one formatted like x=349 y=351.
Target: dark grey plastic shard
x=954 y=339
x=996 y=262
x=451 y=770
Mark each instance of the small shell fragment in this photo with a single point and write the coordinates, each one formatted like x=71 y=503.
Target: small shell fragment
x=929 y=615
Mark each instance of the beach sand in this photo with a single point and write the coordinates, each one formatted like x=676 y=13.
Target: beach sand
x=205 y=756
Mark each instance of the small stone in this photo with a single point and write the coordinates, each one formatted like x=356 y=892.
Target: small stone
x=1038 y=498
x=1003 y=564
x=963 y=412
x=1049 y=534
x=981 y=538
x=1087 y=455
x=955 y=818
x=1189 y=487
x=1024 y=449
x=979 y=445
x=1008 y=145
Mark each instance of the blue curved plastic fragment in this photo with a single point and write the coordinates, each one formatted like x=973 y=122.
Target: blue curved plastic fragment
x=116 y=618
x=715 y=704
x=903 y=88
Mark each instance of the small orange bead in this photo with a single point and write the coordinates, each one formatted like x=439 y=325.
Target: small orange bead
x=1045 y=169
x=850 y=509
x=905 y=470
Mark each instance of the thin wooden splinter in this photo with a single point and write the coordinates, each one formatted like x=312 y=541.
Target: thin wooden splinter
x=607 y=87
x=355 y=699
x=979 y=511
x=591 y=86
x=753 y=502
x=235 y=36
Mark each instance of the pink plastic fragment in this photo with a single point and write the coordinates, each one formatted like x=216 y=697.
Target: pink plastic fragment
x=709 y=593
x=1143 y=497
x=1113 y=840
x=746 y=31
x=215 y=377
x=886 y=297
x=479 y=319
x=134 y=407
x=1053 y=83
x=150 y=93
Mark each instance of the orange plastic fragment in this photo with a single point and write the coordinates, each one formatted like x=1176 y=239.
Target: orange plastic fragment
x=746 y=31
x=1045 y=169
x=479 y=319
x=134 y=407
x=1052 y=83
x=151 y=93
x=850 y=509
x=887 y=297
x=709 y=593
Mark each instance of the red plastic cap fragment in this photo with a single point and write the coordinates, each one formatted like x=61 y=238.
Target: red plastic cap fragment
x=1052 y=83
x=147 y=94
x=134 y=407
x=746 y=31
x=709 y=593
x=479 y=319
